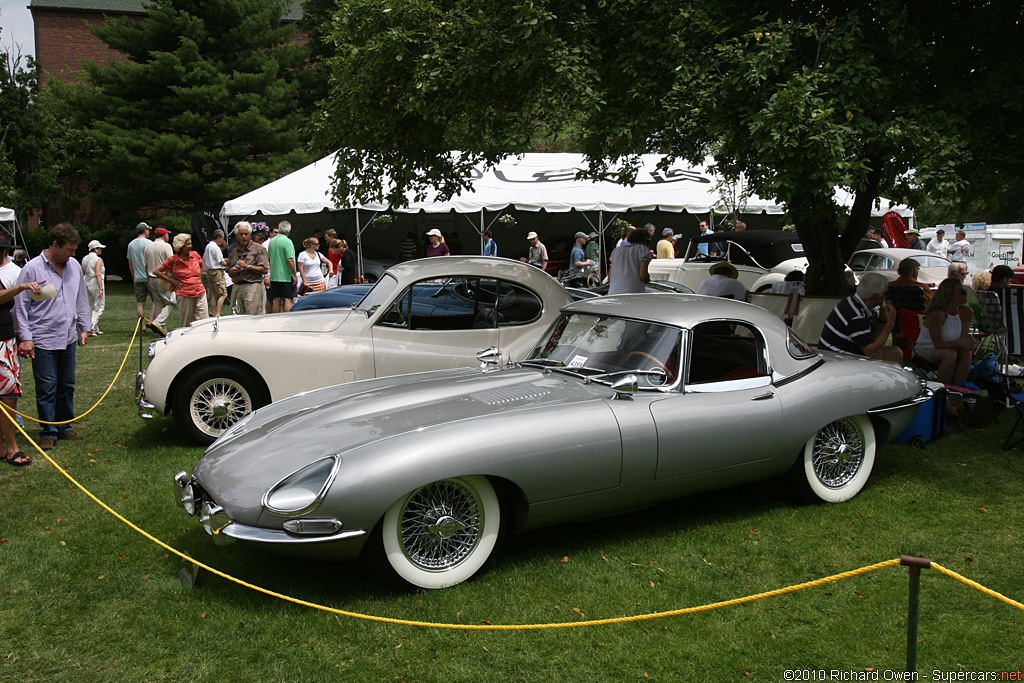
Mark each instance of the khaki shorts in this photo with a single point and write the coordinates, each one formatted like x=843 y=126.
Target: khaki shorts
x=217 y=287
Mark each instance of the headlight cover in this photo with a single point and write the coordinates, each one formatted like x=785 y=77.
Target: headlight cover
x=232 y=431
x=304 y=489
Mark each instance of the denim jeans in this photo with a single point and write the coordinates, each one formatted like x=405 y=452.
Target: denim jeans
x=54 y=373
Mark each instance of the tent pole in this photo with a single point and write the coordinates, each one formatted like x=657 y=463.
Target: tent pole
x=359 y=244
x=481 y=230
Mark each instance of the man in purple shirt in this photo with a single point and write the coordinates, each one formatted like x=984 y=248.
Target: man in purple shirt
x=49 y=329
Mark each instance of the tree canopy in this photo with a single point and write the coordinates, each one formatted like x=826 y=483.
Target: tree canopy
x=209 y=104
x=891 y=97
x=34 y=139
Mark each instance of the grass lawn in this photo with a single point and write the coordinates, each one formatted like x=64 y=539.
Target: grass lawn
x=85 y=598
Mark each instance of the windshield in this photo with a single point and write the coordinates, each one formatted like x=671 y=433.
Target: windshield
x=595 y=346
x=379 y=295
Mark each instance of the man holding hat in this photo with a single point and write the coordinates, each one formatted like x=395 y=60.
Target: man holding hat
x=538 y=254
x=50 y=327
x=95 y=274
x=723 y=282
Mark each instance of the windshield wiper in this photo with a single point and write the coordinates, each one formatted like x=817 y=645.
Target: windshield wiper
x=657 y=372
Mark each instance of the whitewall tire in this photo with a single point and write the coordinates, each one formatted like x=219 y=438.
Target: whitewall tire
x=837 y=461
x=443 y=533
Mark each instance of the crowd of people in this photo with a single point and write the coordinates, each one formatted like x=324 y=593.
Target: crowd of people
x=54 y=304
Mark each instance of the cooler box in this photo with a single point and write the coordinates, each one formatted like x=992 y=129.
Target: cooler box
x=928 y=424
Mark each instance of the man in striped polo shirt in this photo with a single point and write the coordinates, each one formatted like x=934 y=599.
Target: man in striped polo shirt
x=848 y=327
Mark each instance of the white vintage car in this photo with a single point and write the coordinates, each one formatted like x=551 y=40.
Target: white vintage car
x=428 y=314
x=886 y=261
x=762 y=257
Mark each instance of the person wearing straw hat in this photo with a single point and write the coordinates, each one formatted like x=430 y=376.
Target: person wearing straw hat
x=723 y=282
x=95 y=272
x=914 y=238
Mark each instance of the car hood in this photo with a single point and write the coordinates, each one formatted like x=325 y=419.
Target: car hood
x=299 y=321
x=285 y=436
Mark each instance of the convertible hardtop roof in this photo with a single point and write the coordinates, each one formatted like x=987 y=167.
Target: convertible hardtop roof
x=768 y=247
x=681 y=310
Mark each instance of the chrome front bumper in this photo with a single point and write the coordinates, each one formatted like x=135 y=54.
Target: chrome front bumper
x=190 y=495
x=145 y=407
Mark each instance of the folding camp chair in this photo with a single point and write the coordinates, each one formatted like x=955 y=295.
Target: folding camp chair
x=910 y=329
x=1017 y=403
x=779 y=304
x=811 y=314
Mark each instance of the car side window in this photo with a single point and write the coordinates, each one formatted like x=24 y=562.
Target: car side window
x=859 y=262
x=397 y=314
x=449 y=303
x=517 y=305
x=722 y=351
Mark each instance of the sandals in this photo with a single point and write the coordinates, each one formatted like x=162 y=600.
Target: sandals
x=19 y=459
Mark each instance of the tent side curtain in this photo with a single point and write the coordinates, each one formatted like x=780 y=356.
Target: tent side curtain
x=528 y=182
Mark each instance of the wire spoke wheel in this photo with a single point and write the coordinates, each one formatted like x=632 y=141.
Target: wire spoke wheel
x=441 y=524
x=217 y=404
x=837 y=461
x=209 y=399
x=838 y=453
x=442 y=533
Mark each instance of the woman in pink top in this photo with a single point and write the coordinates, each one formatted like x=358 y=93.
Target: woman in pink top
x=183 y=271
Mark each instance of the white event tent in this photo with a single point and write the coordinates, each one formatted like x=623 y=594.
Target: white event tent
x=527 y=182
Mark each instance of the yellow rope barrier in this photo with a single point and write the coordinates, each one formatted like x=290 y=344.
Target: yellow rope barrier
x=96 y=405
x=492 y=627
x=974 y=584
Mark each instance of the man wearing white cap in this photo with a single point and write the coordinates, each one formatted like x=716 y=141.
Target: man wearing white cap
x=538 y=254
x=95 y=272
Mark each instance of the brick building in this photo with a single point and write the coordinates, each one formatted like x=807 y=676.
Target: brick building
x=64 y=41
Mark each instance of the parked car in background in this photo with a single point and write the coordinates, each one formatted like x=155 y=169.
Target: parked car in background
x=885 y=261
x=652 y=287
x=421 y=315
x=762 y=257
x=375 y=262
x=624 y=401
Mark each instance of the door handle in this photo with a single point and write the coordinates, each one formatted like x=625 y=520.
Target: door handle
x=764 y=397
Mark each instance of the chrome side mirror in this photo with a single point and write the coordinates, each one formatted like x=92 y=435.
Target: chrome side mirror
x=491 y=356
x=625 y=388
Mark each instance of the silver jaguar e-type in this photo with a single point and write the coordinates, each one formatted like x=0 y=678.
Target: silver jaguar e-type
x=625 y=401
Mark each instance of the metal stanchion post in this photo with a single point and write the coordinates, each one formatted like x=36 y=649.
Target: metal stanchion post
x=913 y=604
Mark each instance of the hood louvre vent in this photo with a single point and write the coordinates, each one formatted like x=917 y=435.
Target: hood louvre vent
x=506 y=395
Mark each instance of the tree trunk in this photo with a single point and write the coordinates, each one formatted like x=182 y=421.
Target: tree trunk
x=860 y=213
x=817 y=225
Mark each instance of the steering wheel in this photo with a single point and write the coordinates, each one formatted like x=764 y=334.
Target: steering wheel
x=650 y=358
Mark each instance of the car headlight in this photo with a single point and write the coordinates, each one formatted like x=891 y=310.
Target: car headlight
x=302 y=490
